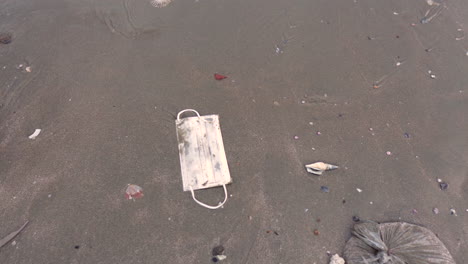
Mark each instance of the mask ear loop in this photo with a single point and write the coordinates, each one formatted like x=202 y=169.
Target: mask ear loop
x=209 y=206
x=187 y=110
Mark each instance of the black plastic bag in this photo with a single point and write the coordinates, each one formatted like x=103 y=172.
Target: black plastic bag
x=395 y=243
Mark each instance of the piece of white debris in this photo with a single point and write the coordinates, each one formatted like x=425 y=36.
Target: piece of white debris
x=336 y=259
x=28 y=69
x=13 y=243
x=221 y=257
x=371 y=202
x=359 y=190
x=439 y=180
x=396 y=13
x=453 y=212
x=35 y=134
x=318 y=168
x=160 y=3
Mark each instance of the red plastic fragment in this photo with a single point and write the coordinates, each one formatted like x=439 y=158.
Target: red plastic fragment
x=219 y=77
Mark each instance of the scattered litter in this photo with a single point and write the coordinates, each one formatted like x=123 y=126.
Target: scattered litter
x=435 y=210
x=219 y=77
x=28 y=69
x=276 y=103
x=324 y=189
x=396 y=13
x=218 y=250
x=276 y=233
x=5 y=38
x=12 y=235
x=336 y=259
x=359 y=190
x=133 y=192
x=414 y=211
x=160 y=3
x=319 y=133
x=35 y=134
x=397 y=242
x=316 y=232
x=356 y=219
x=50 y=195
x=318 y=168
x=370 y=38
x=439 y=180
x=303 y=102
x=311 y=123
x=371 y=129
x=389 y=153
x=443 y=186
x=13 y=243
x=296 y=137
x=398 y=63
x=432 y=75
x=371 y=202
x=306 y=210
x=406 y=135
x=453 y=212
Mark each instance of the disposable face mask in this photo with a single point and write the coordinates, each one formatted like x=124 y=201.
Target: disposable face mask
x=202 y=158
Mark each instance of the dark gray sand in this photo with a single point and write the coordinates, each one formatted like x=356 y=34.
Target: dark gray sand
x=107 y=77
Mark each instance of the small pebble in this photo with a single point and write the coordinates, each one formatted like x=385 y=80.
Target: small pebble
x=371 y=202
x=303 y=102
x=77 y=247
x=50 y=195
x=406 y=135
x=5 y=38
x=371 y=129
x=443 y=186
x=324 y=189
x=218 y=250
x=435 y=210
x=13 y=243
x=311 y=123
x=359 y=190
x=316 y=232
x=356 y=219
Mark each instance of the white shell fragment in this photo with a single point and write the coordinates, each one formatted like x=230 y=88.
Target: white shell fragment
x=318 y=168
x=336 y=259
x=35 y=134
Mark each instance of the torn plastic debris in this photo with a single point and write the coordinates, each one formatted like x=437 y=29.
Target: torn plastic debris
x=133 y=192
x=160 y=3
x=203 y=161
x=12 y=235
x=35 y=134
x=395 y=243
x=318 y=168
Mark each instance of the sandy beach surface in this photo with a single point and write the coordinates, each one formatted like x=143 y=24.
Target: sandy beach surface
x=379 y=88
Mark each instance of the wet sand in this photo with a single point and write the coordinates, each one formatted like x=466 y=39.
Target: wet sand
x=107 y=77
